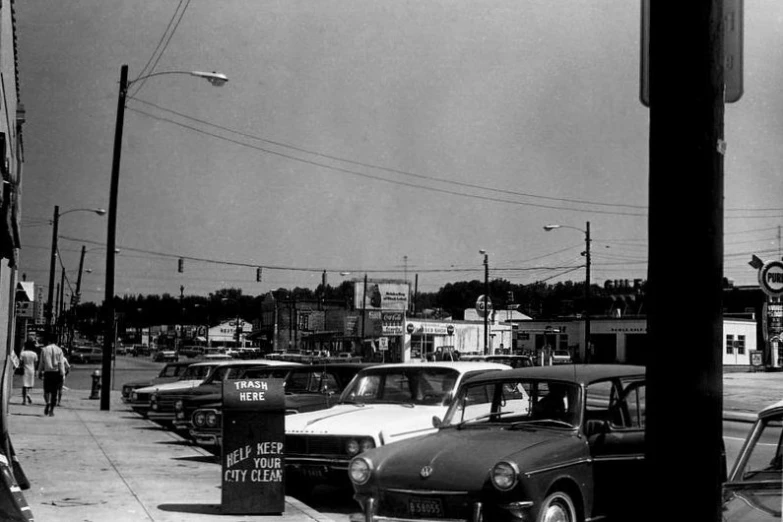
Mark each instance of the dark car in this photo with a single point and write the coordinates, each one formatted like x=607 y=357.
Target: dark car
x=86 y=355
x=540 y=443
x=194 y=374
x=753 y=489
x=162 y=402
x=307 y=388
x=169 y=373
x=515 y=361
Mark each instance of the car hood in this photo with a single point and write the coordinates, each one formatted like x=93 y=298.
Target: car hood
x=462 y=459
x=176 y=385
x=384 y=422
x=757 y=502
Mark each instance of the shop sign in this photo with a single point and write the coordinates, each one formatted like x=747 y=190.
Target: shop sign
x=434 y=329
x=391 y=323
x=481 y=303
x=771 y=278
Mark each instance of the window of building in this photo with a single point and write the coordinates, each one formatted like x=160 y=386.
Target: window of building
x=740 y=344
x=523 y=336
x=729 y=344
x=563 y=342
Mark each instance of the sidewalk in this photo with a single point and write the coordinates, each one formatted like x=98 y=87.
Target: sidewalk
x=88 y=465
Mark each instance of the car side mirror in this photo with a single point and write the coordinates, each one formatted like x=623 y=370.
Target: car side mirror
x=436 y=422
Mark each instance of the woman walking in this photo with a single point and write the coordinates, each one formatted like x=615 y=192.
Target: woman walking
x=28 y=360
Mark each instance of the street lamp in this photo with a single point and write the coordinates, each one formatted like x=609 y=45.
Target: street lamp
x=213 y=78
x=486 y=296
x=586 y=253
x=55 y=226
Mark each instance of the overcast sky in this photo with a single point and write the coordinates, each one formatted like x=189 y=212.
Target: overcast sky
x=381 y=137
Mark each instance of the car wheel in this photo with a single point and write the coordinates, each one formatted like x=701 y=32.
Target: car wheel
x=557 y=507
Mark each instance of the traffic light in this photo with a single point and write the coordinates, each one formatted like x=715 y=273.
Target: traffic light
x=258 y=274
x=181 y=265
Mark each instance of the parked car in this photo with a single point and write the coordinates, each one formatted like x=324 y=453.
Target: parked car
x=545 y=443
x=169 y=373
x=193 y=375
x=165 y=356
x=561 y=357
x=86 y=355
x=163 y=400
x=515 y=361
x=753 y=489
x=383 y=404
x=307 y=388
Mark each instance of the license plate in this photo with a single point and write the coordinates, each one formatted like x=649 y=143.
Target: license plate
x=425 y=507
x=316 y=473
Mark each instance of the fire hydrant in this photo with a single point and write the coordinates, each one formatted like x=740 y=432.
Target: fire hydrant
x=96 y=384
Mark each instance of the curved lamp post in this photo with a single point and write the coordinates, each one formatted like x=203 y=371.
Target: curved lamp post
x=55 y=226
x=586 y=253
x=215 y=79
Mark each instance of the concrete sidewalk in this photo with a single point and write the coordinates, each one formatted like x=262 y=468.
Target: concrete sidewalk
x=88 y=465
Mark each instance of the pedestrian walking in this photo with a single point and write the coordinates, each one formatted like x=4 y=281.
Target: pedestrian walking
x=67 y=369
x=28 y=360
x=51 y=368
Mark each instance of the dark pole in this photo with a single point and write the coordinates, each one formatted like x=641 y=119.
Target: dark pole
x=587 y=294
x=52 y=262
x=486 y=296
x=685 y=227
x=364 y=312
x=78 y=295
x=60 y=306
x=111 y=240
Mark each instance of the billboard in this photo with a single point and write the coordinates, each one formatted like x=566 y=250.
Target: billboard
x=380 y=295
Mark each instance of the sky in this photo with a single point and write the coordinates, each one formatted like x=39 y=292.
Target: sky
x=389 y=138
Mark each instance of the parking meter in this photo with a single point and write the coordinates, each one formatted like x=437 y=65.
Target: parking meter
x=253 y=459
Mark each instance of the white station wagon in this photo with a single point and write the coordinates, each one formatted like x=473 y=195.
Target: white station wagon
x=382 y=404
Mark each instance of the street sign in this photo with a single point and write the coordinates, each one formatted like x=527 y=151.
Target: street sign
x=771 y=278
x=480 y=306
x=732 y=51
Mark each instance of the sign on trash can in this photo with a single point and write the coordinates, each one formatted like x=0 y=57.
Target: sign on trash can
x=253 y=457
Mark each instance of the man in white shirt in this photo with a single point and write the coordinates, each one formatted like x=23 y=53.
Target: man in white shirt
x=51 y=368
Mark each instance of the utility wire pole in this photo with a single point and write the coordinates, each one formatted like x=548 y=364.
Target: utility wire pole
x=685 y=387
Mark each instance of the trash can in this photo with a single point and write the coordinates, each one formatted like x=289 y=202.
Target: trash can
x=253 y=456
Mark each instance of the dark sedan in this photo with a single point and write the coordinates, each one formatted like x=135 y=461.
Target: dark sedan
x=559 y=443
x=753 y=489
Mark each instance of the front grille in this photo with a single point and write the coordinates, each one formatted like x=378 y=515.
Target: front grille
x=166 y=402
x=397 y=504
x=142 y=397
x=310 y=445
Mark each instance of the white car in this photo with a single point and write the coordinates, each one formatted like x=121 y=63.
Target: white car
x=382 y=404
x=192 y=376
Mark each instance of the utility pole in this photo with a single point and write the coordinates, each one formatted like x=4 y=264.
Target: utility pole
x=50 y=299
x=685 y=230
x=60 y=306
x=588 y=354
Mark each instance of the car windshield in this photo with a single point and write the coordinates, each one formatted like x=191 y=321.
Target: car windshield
x=195 y=372
x=422 y=386
x=516 y=403
x=763 y=460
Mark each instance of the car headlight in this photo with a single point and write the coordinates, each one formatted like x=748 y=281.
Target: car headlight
x=178 y=406
x=504 y=475
x=154 y=402
x=360 y=470
x=356 y=446
x=134 y=396
x=199 y=419
x=212 y=419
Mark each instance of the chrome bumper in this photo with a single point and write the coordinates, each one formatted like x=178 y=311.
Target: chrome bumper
x=370 y=516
